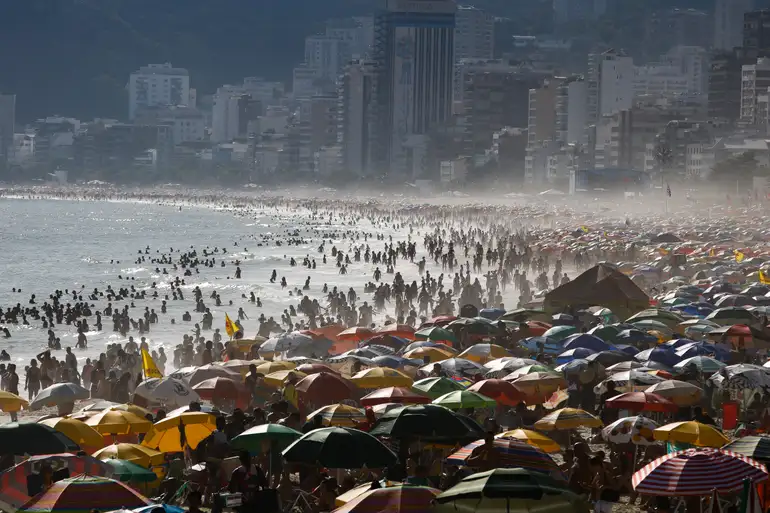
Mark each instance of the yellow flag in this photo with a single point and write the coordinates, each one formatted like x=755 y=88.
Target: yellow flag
x=739 y=256
x=663 y=251
x=712 y=252
x=584 y=229
x=764 y=279
x=148 y=365
x=229 y=326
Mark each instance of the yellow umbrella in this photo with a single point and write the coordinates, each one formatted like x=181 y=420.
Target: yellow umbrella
x=434 y=354
x=340 y=415
x=166 y=435
x=271 y=367
x=532 y=438
x=135 y=453
x=77 y=431
x=132 y=408
x=482 y=353
x=11 y=402
x=567 y=418
x=381 y=377
x=116 y=422
x=278 y=378
x=691 y=432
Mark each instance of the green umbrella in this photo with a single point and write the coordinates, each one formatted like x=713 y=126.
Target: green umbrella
x=435 y=334
x=436 y=387
x=127 y=471
x=252 y=439
x=559 y=333
x=704 y=364
x=652 y=324
x=465 y=399
x=429 y=422
x=605 y=332
x=339 y=448
x=510 y=491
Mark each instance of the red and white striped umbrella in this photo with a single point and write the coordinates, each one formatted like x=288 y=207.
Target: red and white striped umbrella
x=697 y=472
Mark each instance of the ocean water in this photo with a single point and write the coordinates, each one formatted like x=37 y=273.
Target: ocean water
x=67 y=245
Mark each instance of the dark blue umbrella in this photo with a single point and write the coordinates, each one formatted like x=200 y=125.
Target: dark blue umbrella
x=703 y=349
x=550 y=346
x=609 y=358
x=627 y=349
x=587 y=341
x=491 y=313
x=635 y=336
x=663 y=355
x=572 y=354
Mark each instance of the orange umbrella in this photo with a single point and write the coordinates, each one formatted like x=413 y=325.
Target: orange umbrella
x=325 y=388
x=501 y=391
x=355 y=334
x=397 y=330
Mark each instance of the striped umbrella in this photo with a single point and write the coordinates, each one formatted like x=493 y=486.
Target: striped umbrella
x=393 y=499
x=641 y=401
x=13 y=482
x=340 y=415
x=697 y=472
x=84 y=493
x=567 y=418
x=756 y=447
x=512 y=454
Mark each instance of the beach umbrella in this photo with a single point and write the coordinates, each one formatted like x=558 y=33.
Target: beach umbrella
x=572 y=354
x=127 y=471
x=512 y=453
x=606 y=332
x=627 y=381
x=279 y=378
x=396 y=362
x=691 y=432
x=400 y=395
x=433 y=354
x=168 y=391
x=680 y=393
x=400 y=498
x=436 y=334
x=324 y=388
x=380 y=377
x=532 y=438
x=271 y=367
x=697 y=472
x=355 y=334
x=254 y=439
x=526 y=314
x=755 y=447
x=641 y=401
x=481 y=353
x=116 y=422
x=624 y=367
x=583 y=370
x=659 y=354
x=84 y=493
x=184 y=409
x=289 y=343
x=14 y=489
x=504 y=366
x=635 y=336
x=395 y=343
x=11 y=402
x=528 y=369
x=503 y=392
x=174 y=434
x=339 y=448
x=511 y=491
x=340 y=415
x=77 y=431
x=209 y=371
x=609 y=358
x=60 y=394
x=652 y=324
x=428 y=343
x=539 y=385
x=732 y=315
x=429 y=422
x=219 y=388
x=586 y=341
x=32 y=439
x=558 y=333
x=132 y=408
x=397 y=330
x=98 y=405
x=542 y=344
x=184 y=373
x=703 y=364
x=135 y=453
x=456 y=367
x=240 y=366
x=436 y=387
x=566 y=419
x=465 y=399
x=636 y=430
x=314 y=368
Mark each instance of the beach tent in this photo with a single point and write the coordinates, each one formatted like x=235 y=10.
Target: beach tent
x=601 y=285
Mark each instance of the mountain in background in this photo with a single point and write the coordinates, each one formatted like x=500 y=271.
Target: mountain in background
x=73 y=57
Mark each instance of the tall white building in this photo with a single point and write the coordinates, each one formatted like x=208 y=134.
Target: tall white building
x=157 y=85
x=231 y=113
x=474 y=33
x=755 y=80
x=610 y=84
x=357 y=33
x=326 y=55
x=571 y=110
x=694 y=62
x=660 y=80
x=728 y=23
x=414 y=53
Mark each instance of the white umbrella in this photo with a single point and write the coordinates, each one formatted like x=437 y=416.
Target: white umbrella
x=60 y=394
x=167 y=391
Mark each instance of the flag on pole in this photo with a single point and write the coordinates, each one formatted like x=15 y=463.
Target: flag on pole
x=229 y=326
x=149 y=367
x=739 y=257
x=764 y=279
x=668 y=190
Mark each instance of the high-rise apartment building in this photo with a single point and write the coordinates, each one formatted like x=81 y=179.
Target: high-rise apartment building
x=755 y=80
x=474 y=33
x=610 y=84
x=356 y=119
x=7 y=128
x=756 y=32
x=728 y=23
x=157 y=85
x=414 y=55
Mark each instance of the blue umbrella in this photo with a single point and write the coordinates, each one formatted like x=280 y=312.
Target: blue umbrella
x=676 y=343
x=628 y=349
x=491 y=313
x=572 y=354
x=701 y=348
x=663 y=355
x=550 y=346
x=634 y=336
x=396 y=362
x=587 y=341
